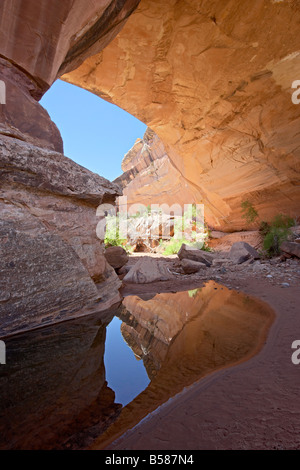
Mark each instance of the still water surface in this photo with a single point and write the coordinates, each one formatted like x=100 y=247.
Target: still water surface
x=91 y=379
x=125 y=374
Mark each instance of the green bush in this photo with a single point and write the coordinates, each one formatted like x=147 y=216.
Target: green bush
x=112 y=232
x=264 y=228
x=173 y=246
x=282 y=221
x=249 y=213
x=275 y=233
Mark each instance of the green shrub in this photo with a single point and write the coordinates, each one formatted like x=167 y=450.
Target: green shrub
x=112 y=232
x=282 y=221
x=273 y=240
x=264 y=228
x=275 y=233
x=249 y=213
x=173 y=246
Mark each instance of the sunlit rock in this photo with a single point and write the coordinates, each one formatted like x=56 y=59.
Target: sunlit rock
x=214 y=81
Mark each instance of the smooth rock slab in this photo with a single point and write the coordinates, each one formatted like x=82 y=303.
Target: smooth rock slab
x=191 y=267
x=147 y=270
x=241 y=252
x=42 y=279
x=291 y=248
x=194 y=254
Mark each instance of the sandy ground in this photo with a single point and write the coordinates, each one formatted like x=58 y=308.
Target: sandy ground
x=254 y=405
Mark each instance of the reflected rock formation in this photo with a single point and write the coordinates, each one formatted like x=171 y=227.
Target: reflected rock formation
x=182 y=337
x=53 y=388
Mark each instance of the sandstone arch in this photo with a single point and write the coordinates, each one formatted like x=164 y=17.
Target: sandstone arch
x=213 y=80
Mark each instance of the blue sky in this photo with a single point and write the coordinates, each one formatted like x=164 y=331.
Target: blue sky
x=96 y=134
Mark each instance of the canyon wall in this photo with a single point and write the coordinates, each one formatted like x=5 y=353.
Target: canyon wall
x=38 y=42
x=150 y=177
x=214 y=81
x=52 y=262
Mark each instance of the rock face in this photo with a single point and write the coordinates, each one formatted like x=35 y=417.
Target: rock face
x=38 y=42
x=221 y=241
x=116 y=256
x=149 y=176
x=22 y=117
x=193 y=254
x=241 y=252
x=292 y=248
x=145 y=231
x=191 y=267
x=52 y=263
x=147 y=270
x=213 y=81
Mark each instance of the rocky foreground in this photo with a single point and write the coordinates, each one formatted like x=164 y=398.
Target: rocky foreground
x=191 y=266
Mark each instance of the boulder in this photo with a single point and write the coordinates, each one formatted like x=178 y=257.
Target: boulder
x=194 y=254
x=241 y=252
x=116 y=256
x=147 y=270
x=124 y=270
x=191 y=267
x=291 y=248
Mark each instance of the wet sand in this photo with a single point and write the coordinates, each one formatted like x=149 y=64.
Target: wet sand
x=252 y=405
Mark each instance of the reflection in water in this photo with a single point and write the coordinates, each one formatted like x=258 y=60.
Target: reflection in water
x=53 y=385
x=124 y=373
x=54 y=391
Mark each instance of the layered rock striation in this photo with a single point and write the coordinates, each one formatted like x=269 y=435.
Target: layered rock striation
x=52 y=262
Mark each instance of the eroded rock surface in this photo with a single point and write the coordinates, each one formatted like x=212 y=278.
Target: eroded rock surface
x=291 y=248
x=148 y=270
x=194 y=254
x=241 y=252
x=213 y=81
x=116 y=256
x=52 y=263
x=38 y=42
